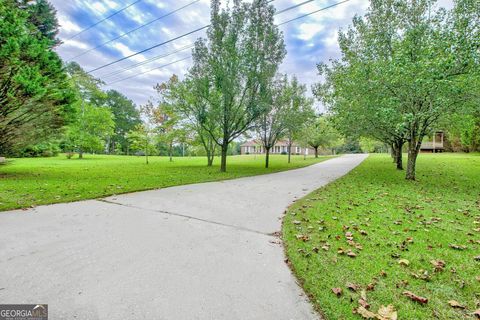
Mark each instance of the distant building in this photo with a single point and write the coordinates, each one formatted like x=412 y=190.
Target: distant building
x=281 y=147
x=433 y=143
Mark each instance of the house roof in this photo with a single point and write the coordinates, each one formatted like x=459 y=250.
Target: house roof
x=252 y=143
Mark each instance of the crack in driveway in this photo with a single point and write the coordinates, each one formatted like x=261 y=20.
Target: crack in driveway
x=187 y=216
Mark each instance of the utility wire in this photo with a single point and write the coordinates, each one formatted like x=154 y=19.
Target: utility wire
x=184 y=35
x=313 y=12
x=148 y=49
x=146 y=61
x=285 y=22
x=293 y=7
x=138 y=74
x=100 y=21
x=135 y=29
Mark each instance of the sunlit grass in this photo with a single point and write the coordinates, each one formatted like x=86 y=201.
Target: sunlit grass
x=26 y=182
x=416 y=221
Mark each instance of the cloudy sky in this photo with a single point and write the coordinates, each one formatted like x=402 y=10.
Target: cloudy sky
x=308 y=40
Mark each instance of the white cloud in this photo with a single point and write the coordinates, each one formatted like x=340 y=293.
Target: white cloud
x=308 y=30
x=99 y=7
x=67 y=26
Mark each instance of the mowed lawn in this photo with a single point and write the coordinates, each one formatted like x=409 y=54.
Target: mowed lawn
x=376 y=237
x=33 y=181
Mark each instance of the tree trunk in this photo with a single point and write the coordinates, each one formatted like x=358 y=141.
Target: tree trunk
x=289 y=151
x=80 y=153
x=398 y=155
x=209 y=160
x=316 y=152
x=223 y=163
x=413 y=149
x=146 y=152
x=170 y=147
x=267 y=157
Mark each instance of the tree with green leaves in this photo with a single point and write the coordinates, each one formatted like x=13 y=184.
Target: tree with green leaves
x=320 y=133
x=126 y=117
x=94 y=121
x=299 y=113
x=164 y=115
x=237 y=63
x=90 y=130
x=43 y=16
x=403 y=67
x=271 y=125
x=286 y=110
x=142 y=138
x=35 y=96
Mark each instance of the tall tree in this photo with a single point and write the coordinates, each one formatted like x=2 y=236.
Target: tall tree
x=271 y=125
x=164 y=115
x=126 y=116
x=43 y=16
x=299 y=113
x=320 y=133
x=414 y=64
x=90 y=130
x=35 y=98
x=242 y=55
x=93 y=122
x=142 y=138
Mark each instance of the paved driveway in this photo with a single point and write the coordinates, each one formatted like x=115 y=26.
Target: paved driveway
x=202 y=251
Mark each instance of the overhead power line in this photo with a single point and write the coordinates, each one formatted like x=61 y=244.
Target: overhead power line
x=148 y=49
x=132 y=66
x=159 y=67
x=285 y=22
x=293 y=7
x=102 y=20
x=313 y=12
x=135 y=29
x=186 y=34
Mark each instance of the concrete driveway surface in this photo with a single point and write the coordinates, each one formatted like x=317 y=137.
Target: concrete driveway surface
x=201 y=251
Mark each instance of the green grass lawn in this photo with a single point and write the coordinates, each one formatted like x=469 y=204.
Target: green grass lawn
x=33 y=181
x=399 y=234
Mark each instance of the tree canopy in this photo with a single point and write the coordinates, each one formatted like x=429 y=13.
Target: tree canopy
x=235 y=65
x=404 y=66
x=35 y=96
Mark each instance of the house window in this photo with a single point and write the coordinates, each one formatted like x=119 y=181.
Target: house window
x=297 y=149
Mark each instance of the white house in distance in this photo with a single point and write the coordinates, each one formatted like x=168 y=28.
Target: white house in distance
x=281 y=147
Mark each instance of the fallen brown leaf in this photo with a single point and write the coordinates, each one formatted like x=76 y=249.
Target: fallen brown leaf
x=477 y=314
x=365 y=313
x=414 y=297
x=387 y=313
x=351 y=254
x=352 y=286
x=457 y=247
x=302 y=237
x=363 y=303
x=438 y=264
x=455 y=304
x=404 y=262
x=337 y=291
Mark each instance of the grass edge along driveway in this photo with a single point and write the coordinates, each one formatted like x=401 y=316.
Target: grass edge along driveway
x=372 y=243
x=27 y=182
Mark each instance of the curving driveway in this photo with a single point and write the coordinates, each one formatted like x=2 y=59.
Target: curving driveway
x=201 y=251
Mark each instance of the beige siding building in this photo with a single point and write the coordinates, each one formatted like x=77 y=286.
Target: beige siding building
x=281 y=147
